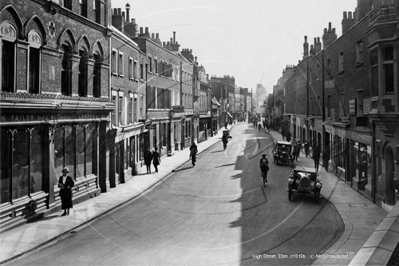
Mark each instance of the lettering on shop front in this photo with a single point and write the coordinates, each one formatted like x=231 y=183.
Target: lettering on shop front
x=49 y=117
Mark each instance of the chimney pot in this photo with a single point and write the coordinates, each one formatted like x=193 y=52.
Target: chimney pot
x=141 y=30
x=157 y=35
x=345 y=15
x=174 y=37
x=146 y=29
x=119 y=11
x=350 y=15
x=152 y=35
x=329 y=26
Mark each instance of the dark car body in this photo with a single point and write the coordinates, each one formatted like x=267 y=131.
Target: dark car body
x=304 y=180
x=282 y=153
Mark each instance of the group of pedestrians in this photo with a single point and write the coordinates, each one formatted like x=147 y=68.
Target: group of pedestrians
x=154 y=157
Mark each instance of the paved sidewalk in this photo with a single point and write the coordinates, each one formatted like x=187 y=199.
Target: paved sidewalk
x=31 y=236
x=360 y=215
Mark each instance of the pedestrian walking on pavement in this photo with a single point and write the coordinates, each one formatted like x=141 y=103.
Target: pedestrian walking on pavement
x=297 y=150
x=306 y=147
x=193 y=153
x=147 y=160
x=156 y=159
x=326 y=157
x=65 y=183
x=316 y=157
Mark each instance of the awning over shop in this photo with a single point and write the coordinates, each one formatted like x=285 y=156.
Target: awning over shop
x=229 y=114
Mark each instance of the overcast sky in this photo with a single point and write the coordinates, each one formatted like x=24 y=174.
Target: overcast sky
x=252 y=40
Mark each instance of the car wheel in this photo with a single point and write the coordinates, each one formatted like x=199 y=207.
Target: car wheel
x=289 y=194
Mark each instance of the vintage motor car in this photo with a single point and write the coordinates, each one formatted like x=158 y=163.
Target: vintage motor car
x=282 y=153
x=304 y=180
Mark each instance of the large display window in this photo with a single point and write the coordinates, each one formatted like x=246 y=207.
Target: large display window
x=360 y=159
x=21 y=163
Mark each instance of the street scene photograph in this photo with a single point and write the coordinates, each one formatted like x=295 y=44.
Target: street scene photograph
x=196 y=133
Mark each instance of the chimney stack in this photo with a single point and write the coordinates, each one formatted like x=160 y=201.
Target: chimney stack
x=329 y=36
x=305 y=47
x=347 y=22
x=127 y=12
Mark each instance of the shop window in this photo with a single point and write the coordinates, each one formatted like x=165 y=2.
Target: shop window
x=66 y=71
x=20 y=167
x=132 y=154
x=388 y=69
x=59 y=150
x=36 y=164
x=82 y=73
x=90 y=149
x=5 y=160
x=80 y=151
x=97 y=76
x=70 y=150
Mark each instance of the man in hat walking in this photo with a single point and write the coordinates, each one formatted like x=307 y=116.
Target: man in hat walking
x=65 y=183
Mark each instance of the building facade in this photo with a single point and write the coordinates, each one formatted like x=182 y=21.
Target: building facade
x=55 y=103
x=343 y=97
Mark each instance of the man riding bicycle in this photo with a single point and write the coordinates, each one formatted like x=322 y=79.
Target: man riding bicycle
x=264 y=168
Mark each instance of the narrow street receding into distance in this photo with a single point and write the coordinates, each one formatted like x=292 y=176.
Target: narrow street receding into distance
x=216 y=213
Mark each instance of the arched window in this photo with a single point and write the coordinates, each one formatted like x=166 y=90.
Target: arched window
x=97 y=75
x=35 y=42
x=83 y=73
x=66 y=71
x=8 y=36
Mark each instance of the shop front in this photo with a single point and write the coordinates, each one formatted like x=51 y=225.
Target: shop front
x=360 y=161
x=36 y=145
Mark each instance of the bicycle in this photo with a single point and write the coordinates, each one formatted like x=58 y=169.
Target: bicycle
x=264 y=177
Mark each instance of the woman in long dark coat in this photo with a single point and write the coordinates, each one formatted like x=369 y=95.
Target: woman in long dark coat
x=147 y=160
x=156 y=160
x=193 y=153
x=65 y=183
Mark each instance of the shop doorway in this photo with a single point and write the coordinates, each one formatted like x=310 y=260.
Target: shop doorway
x=391 y=194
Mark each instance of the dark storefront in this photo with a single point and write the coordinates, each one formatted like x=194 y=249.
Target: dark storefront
x=35 y=146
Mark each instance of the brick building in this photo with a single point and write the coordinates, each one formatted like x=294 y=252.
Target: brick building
x=344 y=97
x=223 y=89
x=54 y=103
x=128 y=94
